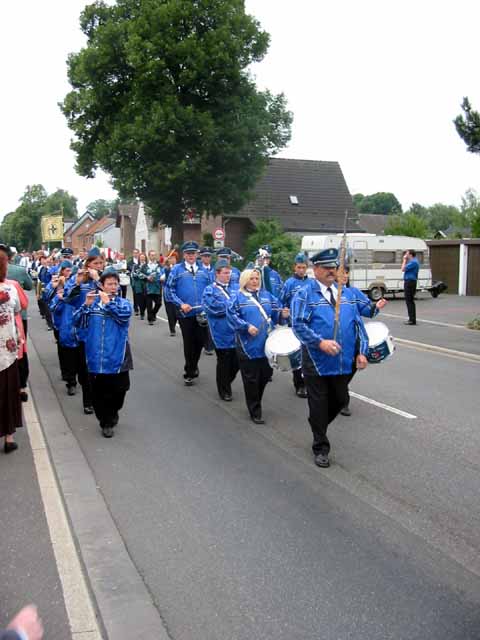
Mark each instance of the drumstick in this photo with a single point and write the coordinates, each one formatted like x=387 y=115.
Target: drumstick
x=340 y=276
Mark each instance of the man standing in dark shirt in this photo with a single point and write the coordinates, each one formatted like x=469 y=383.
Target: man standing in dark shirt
x=410 y=269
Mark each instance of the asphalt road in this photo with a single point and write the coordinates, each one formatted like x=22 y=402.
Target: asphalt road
x=237 y=535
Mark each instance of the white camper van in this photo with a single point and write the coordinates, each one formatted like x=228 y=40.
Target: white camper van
x=375 y=261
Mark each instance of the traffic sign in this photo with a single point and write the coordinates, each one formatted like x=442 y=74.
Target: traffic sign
x=219 y=234
x=218 y=244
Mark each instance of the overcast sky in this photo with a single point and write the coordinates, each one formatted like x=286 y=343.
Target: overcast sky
x=374 y=85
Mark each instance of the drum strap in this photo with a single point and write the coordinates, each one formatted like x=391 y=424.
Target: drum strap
x=222 y=290
x=260 y=308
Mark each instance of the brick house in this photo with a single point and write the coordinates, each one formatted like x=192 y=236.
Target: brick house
x=76 y=234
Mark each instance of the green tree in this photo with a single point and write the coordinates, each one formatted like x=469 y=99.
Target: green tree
x=100 y=208
x=164 y=102
x=407 y=224
x=382 y=203
x=468 y=126
x=442 y=216
x=471 y=211
x=61 y=200
x=284 y=246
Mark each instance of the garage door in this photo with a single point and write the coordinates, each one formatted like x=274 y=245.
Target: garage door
x=444 y=261
x=473 y=276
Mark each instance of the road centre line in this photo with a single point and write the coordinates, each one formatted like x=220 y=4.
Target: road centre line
x=80 y=611
x=381 y=405
x=422 y=321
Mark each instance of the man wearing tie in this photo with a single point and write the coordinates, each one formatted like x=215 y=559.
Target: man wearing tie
x=327 y=362
x=184 y=288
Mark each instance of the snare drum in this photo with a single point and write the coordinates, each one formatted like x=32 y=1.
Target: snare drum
x=283 y=349
x=380 y=342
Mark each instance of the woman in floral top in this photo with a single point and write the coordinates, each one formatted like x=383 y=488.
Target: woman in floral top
x=10 y=406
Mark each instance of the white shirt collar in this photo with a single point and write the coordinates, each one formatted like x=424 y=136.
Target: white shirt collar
x=325 y=293
x=189 y=266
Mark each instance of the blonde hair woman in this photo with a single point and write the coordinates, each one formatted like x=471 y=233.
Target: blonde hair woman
x=252 y=315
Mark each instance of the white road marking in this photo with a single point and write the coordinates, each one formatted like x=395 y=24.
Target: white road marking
x=78 y=605
x=387 y=407
x=422 y=321
x=423 y=346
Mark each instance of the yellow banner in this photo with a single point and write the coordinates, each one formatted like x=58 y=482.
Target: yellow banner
x=52 y=228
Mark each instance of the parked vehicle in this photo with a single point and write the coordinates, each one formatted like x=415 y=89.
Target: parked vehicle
x=375 y=261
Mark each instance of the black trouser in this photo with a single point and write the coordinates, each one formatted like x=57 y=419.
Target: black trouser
x=327 y=395
x=154 y=302
x=350 y=378
x=193 y=335
x=123 y=290
x=227 y=369
x=298 y=380
x=76 y=363
x=23 y=370
x=410 y=288
x=140 y=302
x=48 y=316
x=108 y=393
x=41 y=307
x=209 y=346
x=256 y=373
x=171 y=311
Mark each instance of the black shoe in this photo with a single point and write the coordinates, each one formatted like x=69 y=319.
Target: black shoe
x=71 y=390
x=196 y=373
x=345 y=411
x=258 y=420
x=188 y=382
x=23 y=396
x=209 y=352
x=88 y=411
x=137 y=313
x=227 y=397
x=49 y=328
x=10 y=446
x=301 y=392
x=115 y=420
x=321 y=460
x=410 y=322
x=150 y=323
x=142 y=316
x=172 y=334
x=107 y=432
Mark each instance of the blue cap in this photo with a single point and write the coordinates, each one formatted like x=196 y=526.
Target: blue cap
x=109 y=272
x=221 y=264
x=224 y=251
x=206 y=251
x=268 y=249
x=94 y=252
x=190 y=245
x=66 y=264
x=301 y=258
x=66 y=251
x=326 y=258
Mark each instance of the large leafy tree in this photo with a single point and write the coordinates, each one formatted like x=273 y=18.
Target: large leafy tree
x=100 y=208
x=468 y=126
x=382 y=203
x=163 y=101
x=63 y=201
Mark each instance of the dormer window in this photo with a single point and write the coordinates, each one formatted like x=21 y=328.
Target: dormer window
x=293 y=200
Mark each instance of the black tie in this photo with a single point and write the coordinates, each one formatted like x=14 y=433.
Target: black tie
x=332 y=299
x=192 y=271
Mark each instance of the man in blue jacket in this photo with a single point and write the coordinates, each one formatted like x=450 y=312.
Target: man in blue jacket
x=225 y=253
x=105 y=316
x=184 y=288
x=216 y=299
x=410 y=268
x=327 y=363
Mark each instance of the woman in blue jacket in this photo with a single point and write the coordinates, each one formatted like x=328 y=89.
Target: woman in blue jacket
x=105 y=317
x=252 y=315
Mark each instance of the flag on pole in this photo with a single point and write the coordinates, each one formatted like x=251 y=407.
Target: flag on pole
x=52 y=227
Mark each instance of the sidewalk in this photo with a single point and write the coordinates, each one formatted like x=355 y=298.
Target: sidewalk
x=28 y=570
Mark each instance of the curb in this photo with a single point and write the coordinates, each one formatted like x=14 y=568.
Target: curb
x=433 y=347
x=121 y=597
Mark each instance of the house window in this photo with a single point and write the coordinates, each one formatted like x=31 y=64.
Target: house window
x=293 y=199
x=384 y=257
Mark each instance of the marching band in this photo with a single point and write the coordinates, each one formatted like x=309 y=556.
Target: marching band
x=220 y=310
